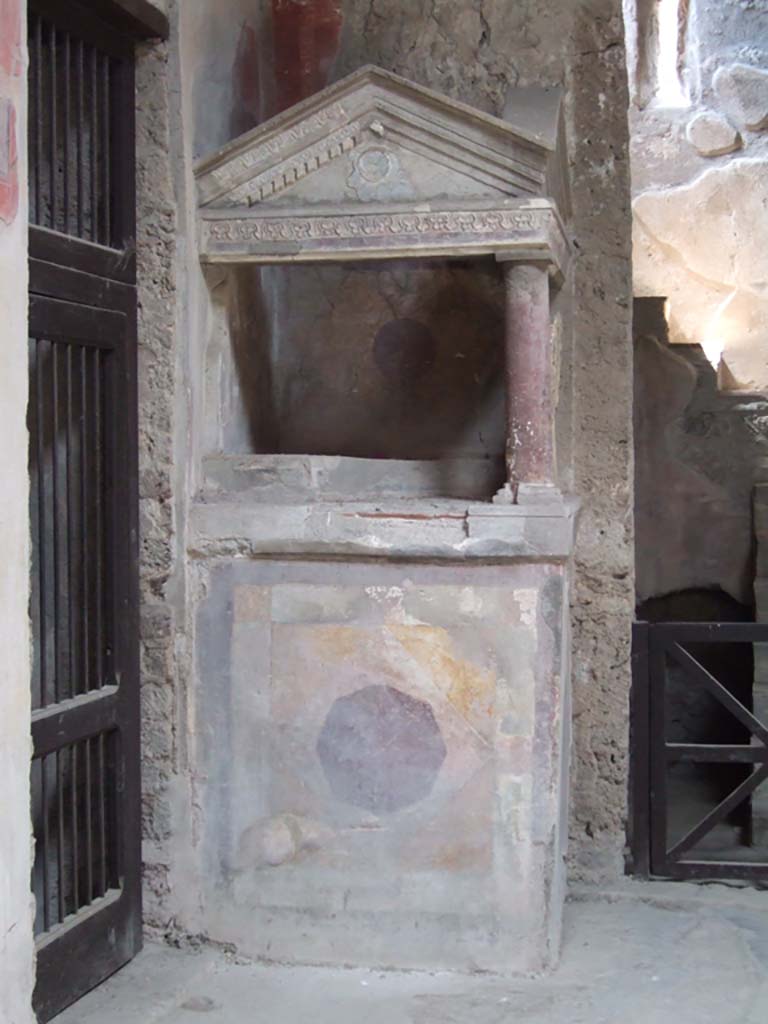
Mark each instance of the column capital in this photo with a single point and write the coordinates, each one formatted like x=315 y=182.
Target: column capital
x=533 y=259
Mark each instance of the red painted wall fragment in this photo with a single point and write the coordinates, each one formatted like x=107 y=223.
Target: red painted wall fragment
x=306 y=39
x=9 y=170
x=11 y=66
x=247 y=112
x=10 y=38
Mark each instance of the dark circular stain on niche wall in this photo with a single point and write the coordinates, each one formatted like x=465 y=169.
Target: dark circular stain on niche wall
x=404 y=351
x=381 y=749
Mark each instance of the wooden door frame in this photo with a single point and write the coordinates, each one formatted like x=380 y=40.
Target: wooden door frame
x=74 y=286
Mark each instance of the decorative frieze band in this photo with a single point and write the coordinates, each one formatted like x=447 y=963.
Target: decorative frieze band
x=447 y=224
x=532 y=233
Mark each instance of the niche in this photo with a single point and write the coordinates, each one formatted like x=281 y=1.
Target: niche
x=366 y=340
x=385 y=376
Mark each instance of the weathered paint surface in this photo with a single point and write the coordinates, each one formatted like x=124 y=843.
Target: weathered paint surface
x=380 y=763
x=11 y=66
x=380 y=748
x=11 y=60
x=16 y=946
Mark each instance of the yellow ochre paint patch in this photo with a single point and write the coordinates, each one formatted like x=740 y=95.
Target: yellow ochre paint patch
x=470 y=689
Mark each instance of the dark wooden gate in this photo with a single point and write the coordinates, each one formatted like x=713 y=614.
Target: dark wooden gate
x=83 y=497
x=699 y=793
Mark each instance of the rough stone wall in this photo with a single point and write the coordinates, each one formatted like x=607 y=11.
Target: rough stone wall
x=699 y=180
x=700 y=196
x=16 y=945
x=700 y=451
x=699 y=173
x=603 y=598
x=173 y=305
x=156 y=244
x=164 y=477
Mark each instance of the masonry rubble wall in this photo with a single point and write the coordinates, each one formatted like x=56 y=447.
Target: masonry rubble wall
x=699 y=184
x=700 y=452
x=162 y=625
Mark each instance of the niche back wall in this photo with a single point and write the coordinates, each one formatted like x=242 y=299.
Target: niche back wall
x=388 y=361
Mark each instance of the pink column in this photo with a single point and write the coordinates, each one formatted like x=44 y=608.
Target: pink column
x=528 y=376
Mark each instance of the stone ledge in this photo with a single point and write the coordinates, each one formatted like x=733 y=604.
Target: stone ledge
x=432 y=530
x=303 y=479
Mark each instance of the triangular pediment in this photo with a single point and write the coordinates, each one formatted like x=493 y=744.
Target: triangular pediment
x=374 y=137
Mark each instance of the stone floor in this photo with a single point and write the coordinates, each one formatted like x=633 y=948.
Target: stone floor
x=659 y=953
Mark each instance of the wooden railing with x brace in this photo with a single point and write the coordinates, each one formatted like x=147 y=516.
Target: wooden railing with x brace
x=657 y=648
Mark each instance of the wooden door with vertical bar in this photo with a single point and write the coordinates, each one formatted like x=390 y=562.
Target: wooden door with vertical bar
x=83 y=461
x=85 y=724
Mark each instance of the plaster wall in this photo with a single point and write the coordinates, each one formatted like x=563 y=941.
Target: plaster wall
x=408 y=365
x=16 y=912
x=208 y=93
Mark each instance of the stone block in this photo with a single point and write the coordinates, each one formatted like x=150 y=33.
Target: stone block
x=157 y=623
x=436 y=529
x=293 y=479
x=712 y=134
x=743 y=94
